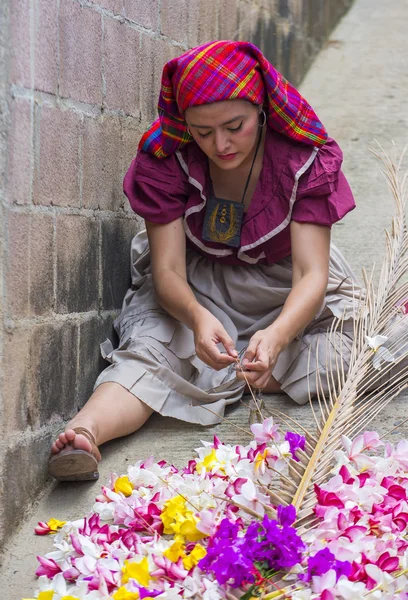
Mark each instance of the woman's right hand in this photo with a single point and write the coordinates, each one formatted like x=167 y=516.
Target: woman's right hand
x=208 y=332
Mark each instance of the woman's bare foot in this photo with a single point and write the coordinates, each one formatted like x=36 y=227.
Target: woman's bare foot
x=70 y=439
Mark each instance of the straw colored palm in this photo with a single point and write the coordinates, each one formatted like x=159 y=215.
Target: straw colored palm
x=356 y=398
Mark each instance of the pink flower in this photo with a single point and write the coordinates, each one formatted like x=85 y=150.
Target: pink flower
x=387 y=563
x=400 y=519
x=371 y=440
x=71 y=574
x=325 y=498
x=48 y=567
x=42 y=528
x=235 y=487
x=345 y=475
x=266 y=432
x=169 y=569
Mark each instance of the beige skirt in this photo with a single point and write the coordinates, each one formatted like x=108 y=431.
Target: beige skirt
x=156 y=359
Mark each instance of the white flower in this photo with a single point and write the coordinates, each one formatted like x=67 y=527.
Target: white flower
x=380 y=354
x=351 y=590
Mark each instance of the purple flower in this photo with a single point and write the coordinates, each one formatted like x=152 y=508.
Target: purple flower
x=296 y=441
x=286 y=515
x=274 y=544
x=277 y=545
x=324 y=561
x=226 y=557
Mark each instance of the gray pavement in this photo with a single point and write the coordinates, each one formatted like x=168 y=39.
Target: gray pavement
x=358 y=87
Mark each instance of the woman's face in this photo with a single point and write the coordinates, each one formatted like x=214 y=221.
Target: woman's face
x=226 y=131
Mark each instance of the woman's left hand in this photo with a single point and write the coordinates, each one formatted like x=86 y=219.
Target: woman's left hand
x=260 y=358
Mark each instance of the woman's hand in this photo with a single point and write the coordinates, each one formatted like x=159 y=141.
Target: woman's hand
x=260 y=358
x=208 y=332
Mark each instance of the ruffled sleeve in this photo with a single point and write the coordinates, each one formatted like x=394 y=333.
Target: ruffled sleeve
x=324 y=195
x=157 y=189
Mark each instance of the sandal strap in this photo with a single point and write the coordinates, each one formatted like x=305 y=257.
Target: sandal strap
x=95 y=451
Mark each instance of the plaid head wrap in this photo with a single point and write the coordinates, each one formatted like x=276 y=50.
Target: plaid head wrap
x=225 y=70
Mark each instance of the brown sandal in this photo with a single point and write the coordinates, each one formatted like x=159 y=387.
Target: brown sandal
x=71 y=464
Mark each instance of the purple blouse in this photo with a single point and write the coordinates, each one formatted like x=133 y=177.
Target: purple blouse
x=297 y=182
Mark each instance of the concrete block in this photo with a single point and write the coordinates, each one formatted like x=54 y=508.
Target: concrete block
x=80 y=53
x=121 y=67
x=335 y=11
x=142 y=12
x=29 y=272
x=23 y=472
x=17 y=269
x=284 y=9
x=250 y=20
x=116 y=237
x=208 y=22
x=173 y=17
x=77 y=243
x=154 y=54
x=228 y=20
x=41 y=264
x=56 y=177
x=314 y=20
x=20 y=36
x=46 y=46
x=19 y=412
x=132 y=131
x=19 y=144
x=285 y=38
x=53 y=377
x=91 y=334
x=115 y=6
x=265 y=37
x=102 y=177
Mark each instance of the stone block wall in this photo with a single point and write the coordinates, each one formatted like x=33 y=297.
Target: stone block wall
x=78 y=86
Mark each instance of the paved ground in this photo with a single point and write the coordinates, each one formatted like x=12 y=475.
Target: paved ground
x=357 y=86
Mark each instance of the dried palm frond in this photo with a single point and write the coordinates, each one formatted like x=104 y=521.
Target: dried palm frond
x=356 y=395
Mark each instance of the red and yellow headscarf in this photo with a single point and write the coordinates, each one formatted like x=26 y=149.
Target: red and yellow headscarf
x=225 y=70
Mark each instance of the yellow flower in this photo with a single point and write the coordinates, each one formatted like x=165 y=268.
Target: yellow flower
x=260 y=458
x=174 y=508
x=209 y=462
x=124 y=594
x=137 y=570
x=179 y=521
x=123 y=485
x=174 y=552
x=188 y=528
x=69 y=598
x=197 y=553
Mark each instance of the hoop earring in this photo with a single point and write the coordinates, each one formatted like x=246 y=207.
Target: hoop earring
x=189 y=132
x=264 y=119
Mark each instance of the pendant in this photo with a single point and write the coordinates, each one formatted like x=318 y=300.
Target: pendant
x=223 y=222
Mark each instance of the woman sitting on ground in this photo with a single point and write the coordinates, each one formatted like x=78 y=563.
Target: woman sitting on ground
x=239 y=186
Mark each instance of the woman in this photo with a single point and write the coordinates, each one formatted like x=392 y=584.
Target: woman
x=239 y=185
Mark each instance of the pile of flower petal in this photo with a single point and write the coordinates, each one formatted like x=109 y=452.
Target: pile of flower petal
x=210 y=530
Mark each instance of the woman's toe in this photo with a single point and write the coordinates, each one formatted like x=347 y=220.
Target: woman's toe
x=82 y=443
x=54 y=448
x=63 y=438
x=69 y=435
